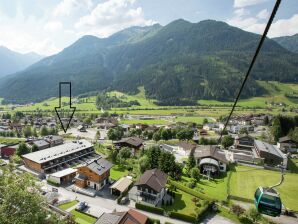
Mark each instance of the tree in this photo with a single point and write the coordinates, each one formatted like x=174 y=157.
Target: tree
x=124 y=154
x=243 y=131
x=266 y=120
x=34 y=148
x=87 y=120
x=144 y=164
x=177 y=172
x=21 y=201
x=22 y=149
x=253 y=214
x=227 y=141
x=191 y=162
x=195 y=173
x=34 y=132
x=276 y=130
x=156 y=136
x=44 y=131
x=27 y=132
x=153 y=154
x=115 y=133
x=97 y=136
x=205 y=121
x=165 y=134
x=166 y=162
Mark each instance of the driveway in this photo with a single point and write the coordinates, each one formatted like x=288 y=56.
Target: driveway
x=217 y=219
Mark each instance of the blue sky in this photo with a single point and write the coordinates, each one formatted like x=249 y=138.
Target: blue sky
x=48 y=26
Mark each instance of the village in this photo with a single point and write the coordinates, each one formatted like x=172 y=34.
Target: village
x=103 y=170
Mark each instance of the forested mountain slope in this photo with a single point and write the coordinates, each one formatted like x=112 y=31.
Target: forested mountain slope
x=177 y=64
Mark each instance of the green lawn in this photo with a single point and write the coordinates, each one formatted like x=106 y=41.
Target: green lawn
x=68 y=205
x=144 y=122
x=82 y=218
x=246 y=180
x=183 y=204
x=4 y=140
x=198 y=120
x=216 y=188
x=117 y=172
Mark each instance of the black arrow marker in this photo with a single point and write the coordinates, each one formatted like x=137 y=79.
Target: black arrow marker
x=70 y=107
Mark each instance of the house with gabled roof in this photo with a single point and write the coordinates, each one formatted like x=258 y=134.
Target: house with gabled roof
x=94 y=174
x=129 y=217
x=210 y=159
x=150 y=188
x=287 y=144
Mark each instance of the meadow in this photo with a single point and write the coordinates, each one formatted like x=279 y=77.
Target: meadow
x=245 y=180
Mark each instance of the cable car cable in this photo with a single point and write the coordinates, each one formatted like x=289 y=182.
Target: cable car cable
x=275 y=9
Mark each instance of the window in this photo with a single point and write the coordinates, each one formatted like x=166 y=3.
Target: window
x=257 y=194
x=88 y=183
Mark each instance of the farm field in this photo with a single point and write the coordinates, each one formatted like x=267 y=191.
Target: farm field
x=246 y=180
x=206 y=108
x=149 y=122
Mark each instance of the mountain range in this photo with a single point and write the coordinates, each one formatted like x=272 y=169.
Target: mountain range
x=177 y=64
x=11 y=62
x=288 y=42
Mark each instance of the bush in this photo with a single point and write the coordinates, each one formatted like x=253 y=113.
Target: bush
x=192 y=184
x=183 y=217
x=237 y=210
x=204 y=211
x=148 y=208
x=52 y=183
x=153 y=221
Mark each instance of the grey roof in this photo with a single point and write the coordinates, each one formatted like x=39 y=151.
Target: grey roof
x=53 y=138
x=285 y=139
x=134 y=141
x=266 y=147
x=210 y=151
x=109 y=218
x=166 y=147
x=46 y=155
x=100 y=166
x=81 y=176
x=41 y=143
x=155 y=179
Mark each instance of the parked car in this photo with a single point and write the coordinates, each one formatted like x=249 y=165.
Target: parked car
x=82 y=206
x=124 y=200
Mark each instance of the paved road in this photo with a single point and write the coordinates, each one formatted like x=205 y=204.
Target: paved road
x=99 y=205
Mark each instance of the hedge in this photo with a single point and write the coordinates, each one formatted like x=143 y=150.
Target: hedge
x=183 y=217
x=153 y=221
x=52 y=183
x=148 y=208
x=189 y=191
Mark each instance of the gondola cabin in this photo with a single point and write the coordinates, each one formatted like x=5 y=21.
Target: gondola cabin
x=267 y=201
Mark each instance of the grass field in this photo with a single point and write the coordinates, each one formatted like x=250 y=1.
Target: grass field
x=208 y=108
x=4 y=140
x=246 y=180
x=68 y=205
x=183 y=204
x=149 y=122
x=117 y=172
x=216 y=188
x=82 y=218
x=198 y=120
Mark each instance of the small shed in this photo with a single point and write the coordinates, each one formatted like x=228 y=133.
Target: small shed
x=121 y=186
x=62 y=176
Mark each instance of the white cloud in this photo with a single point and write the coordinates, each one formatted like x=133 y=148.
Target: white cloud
x=66 y=7
x=241 y=12
x=245 y=3
x=263 y=14
x=53 y=26
x=111 y=16
x=256 y=24
x=284 y=27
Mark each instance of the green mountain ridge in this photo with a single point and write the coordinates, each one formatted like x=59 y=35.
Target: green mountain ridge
x=288 y=42
x=177 y=64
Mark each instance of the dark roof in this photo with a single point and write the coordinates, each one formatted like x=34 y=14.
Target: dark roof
x=134 y=141
x=155 y=179
x=129 y=217
x=100 y=166
x=210 y=151
x=40 y=143
x=186 y=146
x=244 y=135
x=268 y=148
x=286 y=138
